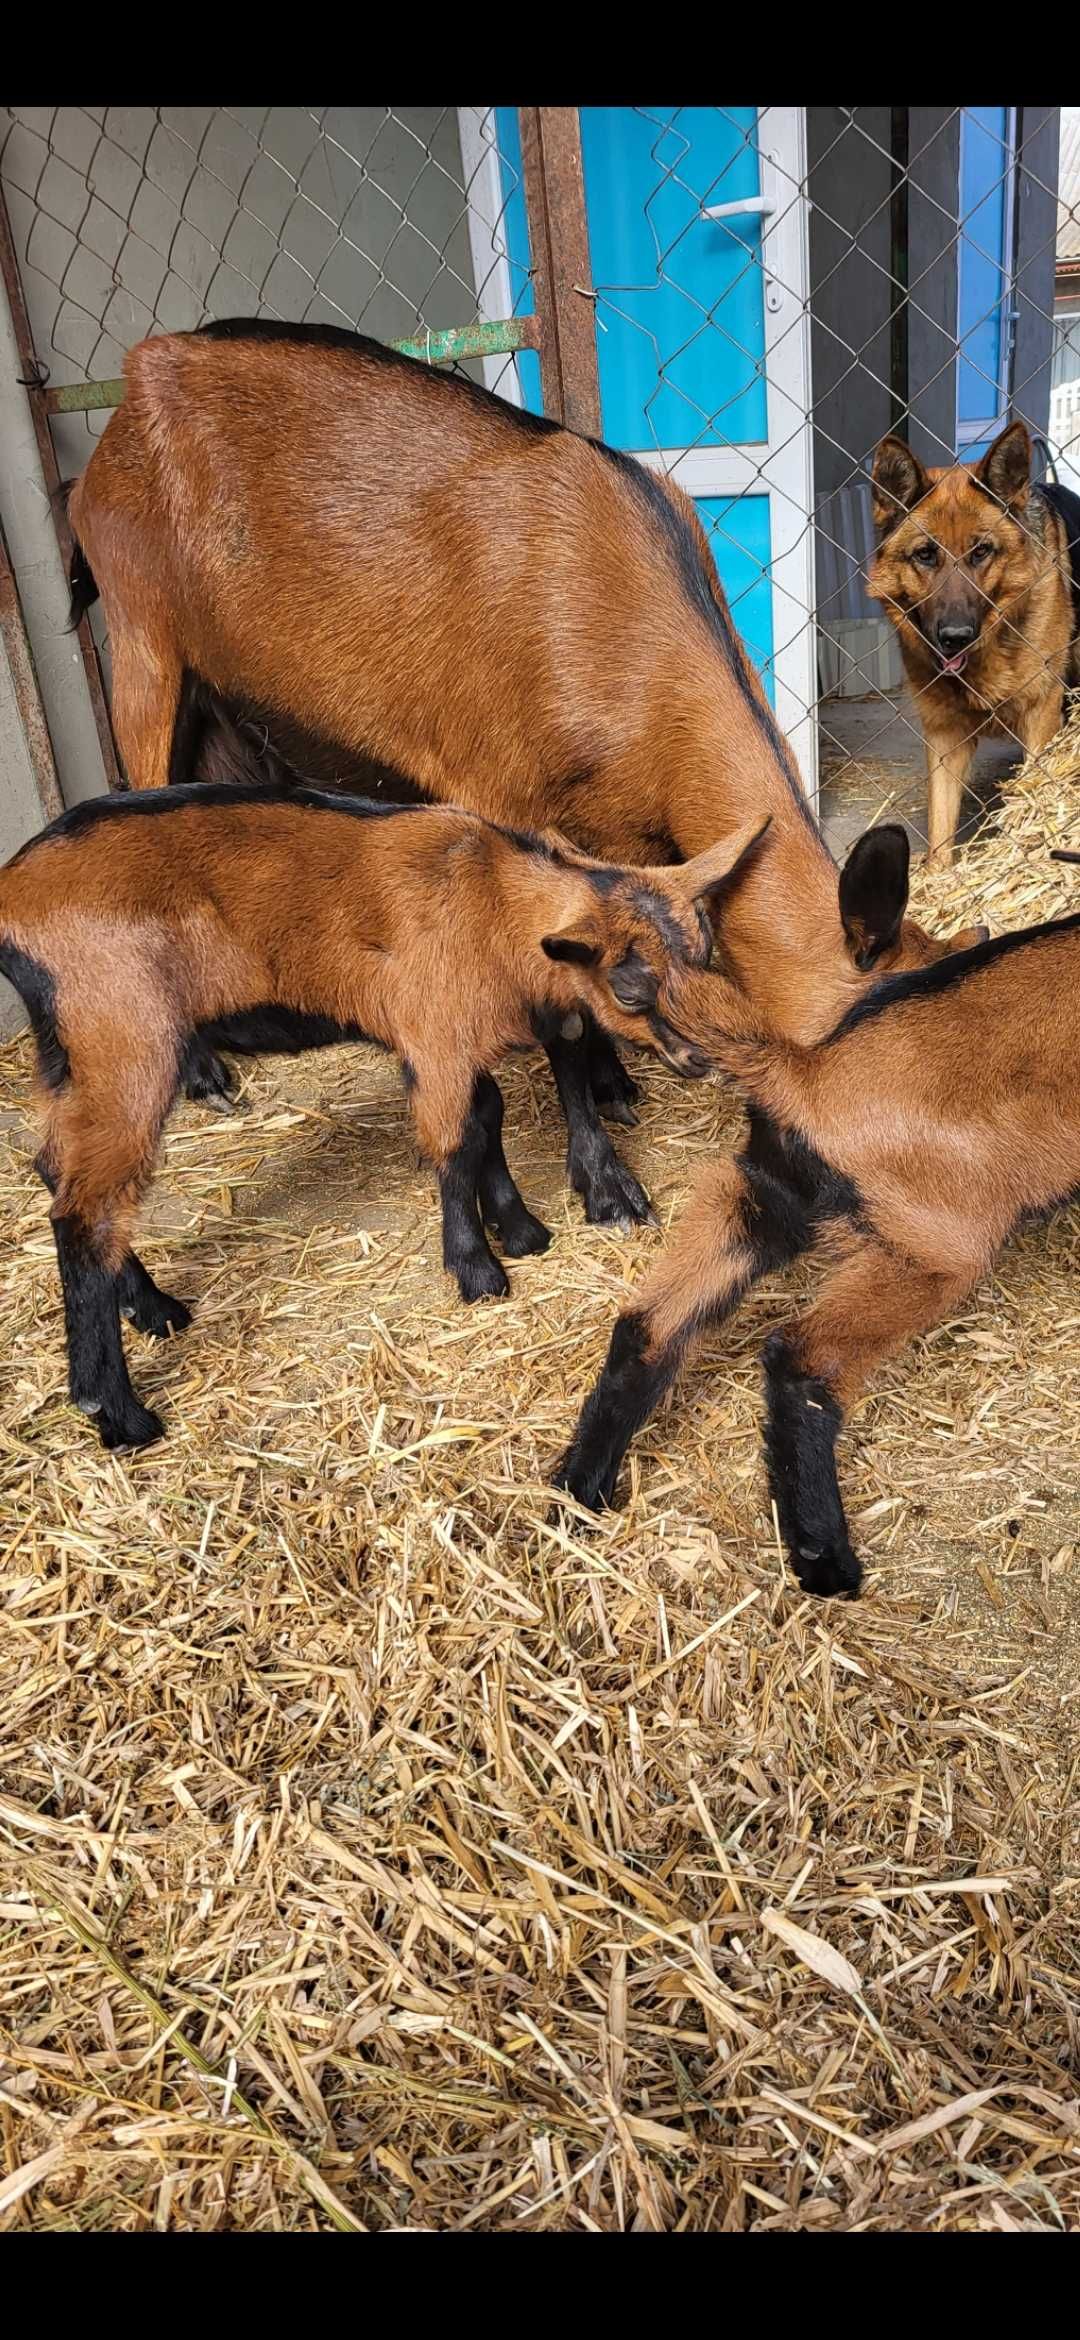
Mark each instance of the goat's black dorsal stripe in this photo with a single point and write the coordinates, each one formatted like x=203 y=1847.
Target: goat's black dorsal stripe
x=698 y=587
x=928 y=982
x=158 y=803
x=360 y=345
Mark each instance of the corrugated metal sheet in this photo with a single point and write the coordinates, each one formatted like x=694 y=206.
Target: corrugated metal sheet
x=857 y=649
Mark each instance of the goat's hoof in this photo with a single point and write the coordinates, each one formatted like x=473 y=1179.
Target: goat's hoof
x=135 y=1426
x=482 y=1279
x=613 y=1198
x=521 y=1235
x=831 y=1569
x=592 y=1487
x=610 y=1082
x=212 y=1082
x=616 y=1095
x=157 y=1314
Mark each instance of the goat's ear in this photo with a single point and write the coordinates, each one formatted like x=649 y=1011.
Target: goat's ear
x=874 y=892
x=578 y=942
x=897 y=482
x=1006 y=466
x=709 y=873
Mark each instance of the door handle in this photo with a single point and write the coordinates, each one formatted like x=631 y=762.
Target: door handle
x=760 y=207
x=746 y=207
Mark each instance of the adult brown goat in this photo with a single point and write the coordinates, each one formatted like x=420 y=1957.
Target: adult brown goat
x=293 y=526
x=942 y=1110
x=261 y=921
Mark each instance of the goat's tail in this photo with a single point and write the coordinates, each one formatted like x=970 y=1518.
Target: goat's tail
x=82 y=582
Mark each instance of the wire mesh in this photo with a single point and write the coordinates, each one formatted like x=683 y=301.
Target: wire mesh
x=131 y=220
x=774 y=290
x=926 y=307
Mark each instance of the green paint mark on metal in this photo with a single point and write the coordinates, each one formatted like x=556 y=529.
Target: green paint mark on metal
x=498 y=339
x=81 y=397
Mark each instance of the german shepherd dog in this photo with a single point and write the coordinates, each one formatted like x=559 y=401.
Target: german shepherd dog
x=979 y=570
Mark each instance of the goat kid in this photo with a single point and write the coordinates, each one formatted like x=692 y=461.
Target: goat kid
x=136 y=928
x=942 y=1111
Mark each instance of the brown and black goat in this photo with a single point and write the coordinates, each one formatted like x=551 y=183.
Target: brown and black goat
x=942 y=1110
x=259 y=921
x=357 y=557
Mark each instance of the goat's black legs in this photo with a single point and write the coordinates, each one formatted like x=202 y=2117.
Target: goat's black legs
x=474 y=1177
x=716 y=1256
x=615 y=1093
x=142 y=1301
x=466 y=1253
x=631 y=1385
x=868 y=1307
x=98 y=1376
x=513 y=1226
x=610 y=1192
x=801 y=1426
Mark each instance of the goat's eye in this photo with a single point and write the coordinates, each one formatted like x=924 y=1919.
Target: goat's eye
x=635 y=986
x=978 y=554
x=926 y=556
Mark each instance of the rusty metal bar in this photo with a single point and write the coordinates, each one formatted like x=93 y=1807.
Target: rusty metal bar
x=9 y=267
x=562 y=270
x=450 y=346
x=85 y=397
x=27 y=691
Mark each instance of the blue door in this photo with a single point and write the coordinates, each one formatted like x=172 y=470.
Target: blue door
x=984 y=266
x=697 y=236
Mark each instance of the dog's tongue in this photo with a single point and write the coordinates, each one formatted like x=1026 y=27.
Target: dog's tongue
x=954 y=665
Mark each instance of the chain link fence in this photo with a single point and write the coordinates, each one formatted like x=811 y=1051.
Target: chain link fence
x=791 y=286
x=773 y=290
x=130 y=220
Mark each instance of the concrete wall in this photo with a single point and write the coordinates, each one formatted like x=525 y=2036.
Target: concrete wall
x=129 y=220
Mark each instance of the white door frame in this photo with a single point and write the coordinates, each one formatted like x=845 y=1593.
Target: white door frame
x=487 y=239
x=782 y=465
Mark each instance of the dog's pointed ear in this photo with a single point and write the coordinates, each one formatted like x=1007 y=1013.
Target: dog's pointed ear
x=723 y=864
x=874 y=892
x=897 y=481
x=578 y=942
x=1006 y=466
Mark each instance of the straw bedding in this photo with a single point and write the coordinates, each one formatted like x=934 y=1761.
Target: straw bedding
x=380 y=1850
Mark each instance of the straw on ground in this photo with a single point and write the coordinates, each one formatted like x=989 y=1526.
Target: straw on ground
x=378 y=1845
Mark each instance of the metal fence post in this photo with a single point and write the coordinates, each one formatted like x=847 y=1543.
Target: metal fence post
x=559 y=241
x=24 y=683
x=35 y=390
